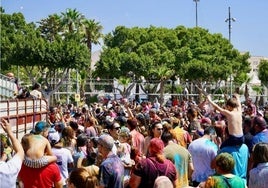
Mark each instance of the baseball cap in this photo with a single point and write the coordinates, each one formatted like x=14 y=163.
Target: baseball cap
x=53 y=137
x=106 y=141
x=41 y=126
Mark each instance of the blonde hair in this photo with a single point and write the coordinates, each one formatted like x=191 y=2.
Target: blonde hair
x=80 y=178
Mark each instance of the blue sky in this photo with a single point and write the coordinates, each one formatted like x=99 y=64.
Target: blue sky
x=249 y=32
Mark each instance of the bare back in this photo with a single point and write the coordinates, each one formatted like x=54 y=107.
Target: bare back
x=234 y=122
x=233 y=113
x=38 y=147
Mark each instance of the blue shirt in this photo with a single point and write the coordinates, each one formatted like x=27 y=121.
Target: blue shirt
x=258 y=176
x=241 y=156
x=259 y=137
x=112 y=172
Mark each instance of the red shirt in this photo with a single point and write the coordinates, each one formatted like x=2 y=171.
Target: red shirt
x=44 y=177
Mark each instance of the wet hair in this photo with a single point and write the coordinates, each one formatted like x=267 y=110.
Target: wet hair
x=67 y=135
x=82 y=179
x=225 y=162
x=260 y=153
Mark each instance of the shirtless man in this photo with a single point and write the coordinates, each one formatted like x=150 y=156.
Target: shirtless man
x=233 y=113
x=38 y=152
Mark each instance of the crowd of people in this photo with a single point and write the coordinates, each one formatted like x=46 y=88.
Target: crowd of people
x=121 y=144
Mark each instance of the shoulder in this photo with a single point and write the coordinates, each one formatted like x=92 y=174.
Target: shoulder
x=11 y=166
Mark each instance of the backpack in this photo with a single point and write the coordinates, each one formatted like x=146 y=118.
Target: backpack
x=162 y=181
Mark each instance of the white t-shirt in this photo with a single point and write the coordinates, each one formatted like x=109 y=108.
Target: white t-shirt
x=203 y=151
x=64 y=157
x=9 y=172
x=37 y=94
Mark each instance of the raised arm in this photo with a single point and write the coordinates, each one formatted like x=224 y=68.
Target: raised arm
x=217 y=107
x=129 y=112
x=15 y=142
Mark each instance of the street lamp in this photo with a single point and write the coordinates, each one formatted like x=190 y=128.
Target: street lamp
x=230 y=20
x=196 y=16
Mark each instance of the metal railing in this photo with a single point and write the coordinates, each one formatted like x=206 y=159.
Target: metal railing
x=24 y=113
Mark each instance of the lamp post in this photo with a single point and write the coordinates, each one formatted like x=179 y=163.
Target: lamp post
x=196 y=15
x=230 y=20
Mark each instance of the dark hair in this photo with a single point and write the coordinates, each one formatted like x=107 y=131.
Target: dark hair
x=152 y=126
x=1 y=148
x=166 y=137
x=210 y=131
x=259 y=121
x=260 y=153
x=94 y=140
x=192 y=111
x=36 y=86
x=81 y=140
x=74 y=125
x=247 y=122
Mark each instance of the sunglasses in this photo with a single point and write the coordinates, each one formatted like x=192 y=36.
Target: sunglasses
x=117 y=128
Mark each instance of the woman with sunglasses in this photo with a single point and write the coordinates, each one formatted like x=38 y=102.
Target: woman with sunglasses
x=155 y=131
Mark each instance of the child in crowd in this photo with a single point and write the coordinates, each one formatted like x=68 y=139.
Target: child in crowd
x=38 y=152
x=124 y=150
x=233 y=113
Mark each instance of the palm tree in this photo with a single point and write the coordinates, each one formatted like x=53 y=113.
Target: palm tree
x=245 y=79
x=92 y=33
x=125 y=81
x=258 y=90
x=163 y=73
x=72 y=19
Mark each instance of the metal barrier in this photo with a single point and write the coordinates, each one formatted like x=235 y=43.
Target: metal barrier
x=24 y=113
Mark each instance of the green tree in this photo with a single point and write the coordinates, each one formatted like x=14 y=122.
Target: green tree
x=193 y=54
x=263 y=72
x=51 y=27
x=206 y=58
x=89 y=32
x=11 y=26
x=42 y=59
